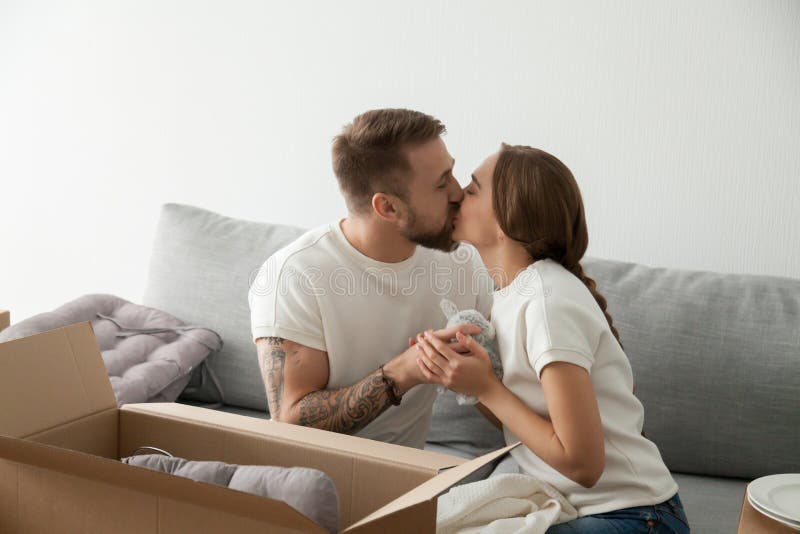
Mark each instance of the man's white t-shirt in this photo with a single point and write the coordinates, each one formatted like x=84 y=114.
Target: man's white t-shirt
x=322 y=292
x=545 y=315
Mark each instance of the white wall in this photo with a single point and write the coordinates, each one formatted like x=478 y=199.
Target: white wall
x=681 y=120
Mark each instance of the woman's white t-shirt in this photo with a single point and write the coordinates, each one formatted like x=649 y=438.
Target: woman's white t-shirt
x=545 y=315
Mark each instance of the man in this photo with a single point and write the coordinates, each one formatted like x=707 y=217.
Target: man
x=332 y=312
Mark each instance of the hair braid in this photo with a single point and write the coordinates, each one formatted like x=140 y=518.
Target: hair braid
x=577 y=270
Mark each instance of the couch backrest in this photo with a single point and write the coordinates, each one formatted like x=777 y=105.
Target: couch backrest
x=201 y=267
x=716 y=357
x=716 y=360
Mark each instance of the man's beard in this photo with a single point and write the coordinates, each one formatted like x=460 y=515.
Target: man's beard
x=440 y=240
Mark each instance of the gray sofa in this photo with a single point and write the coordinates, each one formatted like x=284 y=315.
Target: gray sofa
x=716 y=357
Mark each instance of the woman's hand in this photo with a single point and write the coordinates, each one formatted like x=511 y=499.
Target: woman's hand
x=447 y=335
x=469 y=373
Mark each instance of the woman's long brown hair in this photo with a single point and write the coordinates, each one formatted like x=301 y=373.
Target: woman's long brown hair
x=538 y=203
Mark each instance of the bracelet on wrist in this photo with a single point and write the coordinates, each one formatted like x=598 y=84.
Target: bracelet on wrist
x=391 y=389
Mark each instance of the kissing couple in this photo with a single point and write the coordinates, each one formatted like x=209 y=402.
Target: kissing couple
x=351 y=338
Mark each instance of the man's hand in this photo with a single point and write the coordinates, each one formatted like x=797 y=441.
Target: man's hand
x=403 y=369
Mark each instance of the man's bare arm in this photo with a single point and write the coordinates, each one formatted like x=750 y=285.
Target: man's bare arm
x=295 y=377
x=271 y=361
x=346 y=410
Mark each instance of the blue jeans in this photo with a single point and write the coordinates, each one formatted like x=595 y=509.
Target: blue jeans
x=665 y=517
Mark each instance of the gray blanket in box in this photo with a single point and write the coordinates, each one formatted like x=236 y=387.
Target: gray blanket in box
x=309 y=491
x=148 y=353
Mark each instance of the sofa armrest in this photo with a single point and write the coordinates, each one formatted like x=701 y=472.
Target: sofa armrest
x=5 y=319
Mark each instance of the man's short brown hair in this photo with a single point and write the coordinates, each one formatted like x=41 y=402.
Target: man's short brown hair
x=368 y=156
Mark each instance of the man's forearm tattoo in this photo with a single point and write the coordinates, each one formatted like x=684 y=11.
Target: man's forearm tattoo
x=348 y=409
x=272 y=358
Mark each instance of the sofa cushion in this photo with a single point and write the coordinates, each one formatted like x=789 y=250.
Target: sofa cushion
x=716 y=360
x=712 y=504
x=462 y=428
x=227 y=408
x=479 y=474
x=201 y=267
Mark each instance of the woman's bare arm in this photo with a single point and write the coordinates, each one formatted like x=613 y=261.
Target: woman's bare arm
x=489 y=415
x=572 y=440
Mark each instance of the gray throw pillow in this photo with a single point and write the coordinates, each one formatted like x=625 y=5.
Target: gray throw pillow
x=149 y=354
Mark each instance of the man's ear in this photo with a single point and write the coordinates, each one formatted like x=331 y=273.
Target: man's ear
x=388 y=207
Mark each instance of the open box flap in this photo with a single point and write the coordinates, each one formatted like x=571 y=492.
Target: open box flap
x=129 y=477
x=52 y=378
x=432 y=488
x=323 y=439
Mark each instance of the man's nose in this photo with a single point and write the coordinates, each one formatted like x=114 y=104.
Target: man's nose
x=457 y=196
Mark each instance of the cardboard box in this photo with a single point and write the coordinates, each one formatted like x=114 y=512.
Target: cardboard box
x=5 y=319
x=751 y=521
x=61 y=437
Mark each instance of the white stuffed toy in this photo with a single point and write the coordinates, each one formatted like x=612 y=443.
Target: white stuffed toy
x=487 y=339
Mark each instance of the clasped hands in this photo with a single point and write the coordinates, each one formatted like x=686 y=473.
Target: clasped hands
x=462 y=366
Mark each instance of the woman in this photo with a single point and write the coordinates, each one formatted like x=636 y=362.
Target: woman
x=567 y=389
